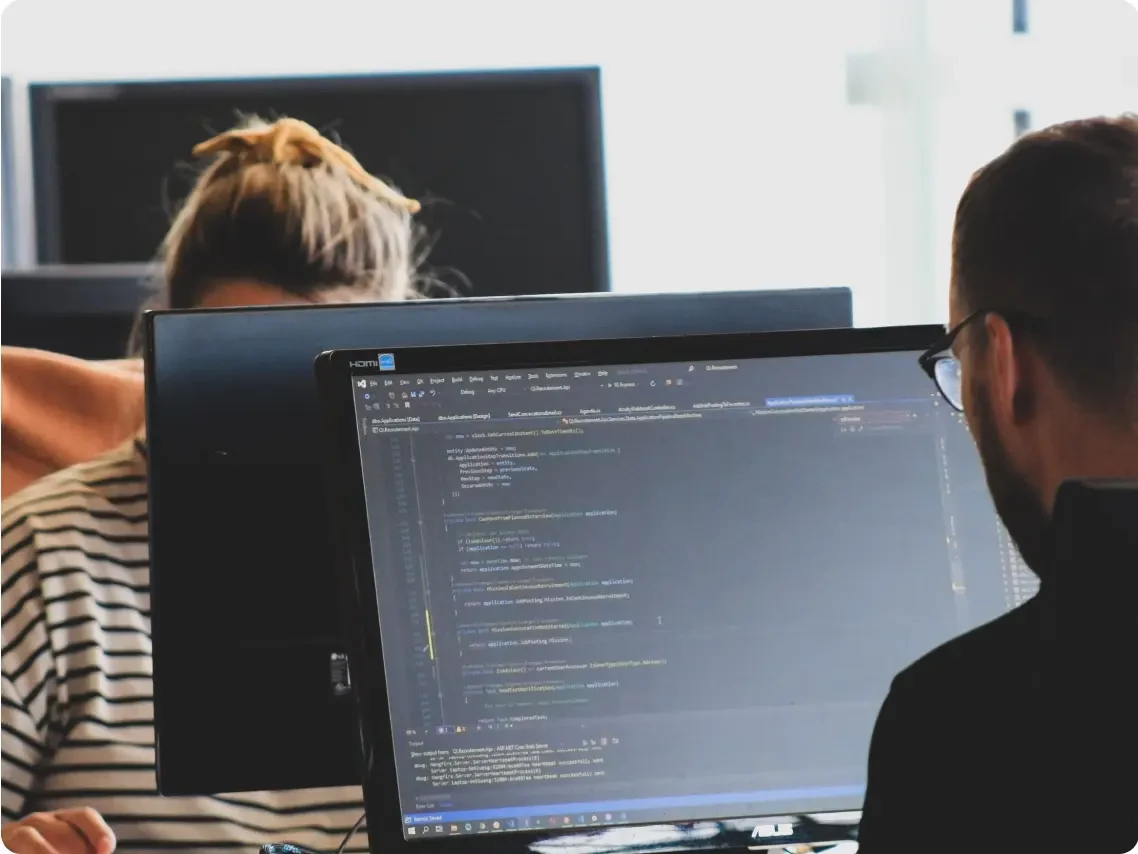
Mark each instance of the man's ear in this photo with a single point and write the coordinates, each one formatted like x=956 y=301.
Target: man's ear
x=1011 y=399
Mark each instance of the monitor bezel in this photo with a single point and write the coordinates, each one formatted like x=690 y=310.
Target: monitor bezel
x=8 y=172
x=45 y=97
x=345 y=485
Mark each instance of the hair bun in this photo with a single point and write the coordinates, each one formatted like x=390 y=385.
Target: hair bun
x=293 y=142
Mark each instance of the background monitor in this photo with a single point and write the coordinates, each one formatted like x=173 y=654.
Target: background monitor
x=86 y=311
x=6 y=153
x=240 y=550
x=669 y=580
x=509 y=165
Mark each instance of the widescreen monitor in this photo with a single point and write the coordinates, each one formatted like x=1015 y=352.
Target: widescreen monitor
x=508 y=164
x=649 y=581
x=239 y=535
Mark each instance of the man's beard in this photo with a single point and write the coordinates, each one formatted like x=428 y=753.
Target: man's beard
x=1017 y=503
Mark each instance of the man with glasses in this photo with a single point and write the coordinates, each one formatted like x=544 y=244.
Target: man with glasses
x=1042 y=357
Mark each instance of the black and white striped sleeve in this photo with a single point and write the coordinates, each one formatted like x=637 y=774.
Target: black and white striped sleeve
x=28 y=667
x=23 y=747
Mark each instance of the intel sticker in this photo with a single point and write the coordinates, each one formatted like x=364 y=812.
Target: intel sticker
x=387 y=361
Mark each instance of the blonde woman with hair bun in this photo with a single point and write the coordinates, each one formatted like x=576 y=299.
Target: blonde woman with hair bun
x=287 y=215
x=279 y=215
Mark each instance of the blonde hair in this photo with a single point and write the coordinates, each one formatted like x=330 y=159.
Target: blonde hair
x=283 y=205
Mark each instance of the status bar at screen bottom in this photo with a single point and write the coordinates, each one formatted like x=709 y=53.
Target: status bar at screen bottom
x=600 y=813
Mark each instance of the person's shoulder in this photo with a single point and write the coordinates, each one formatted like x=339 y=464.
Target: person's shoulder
x=977 y=655
x=107 y=491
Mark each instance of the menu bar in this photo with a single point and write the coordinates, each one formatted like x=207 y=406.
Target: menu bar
x=580 y=396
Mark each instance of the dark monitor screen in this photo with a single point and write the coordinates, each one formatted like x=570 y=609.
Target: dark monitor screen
x=239 y=537
x=84 y=311
x=641 y=591
x=509 y=165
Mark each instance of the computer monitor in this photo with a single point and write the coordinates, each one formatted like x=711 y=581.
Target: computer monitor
x=239 y=536
x=9 y=172
x=508 y=164
x=87 y=310
x=645 y=580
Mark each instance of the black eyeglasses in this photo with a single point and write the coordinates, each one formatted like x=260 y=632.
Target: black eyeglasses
x=943 y=367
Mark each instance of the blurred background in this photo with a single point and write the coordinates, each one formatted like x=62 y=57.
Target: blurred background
x=745 y=145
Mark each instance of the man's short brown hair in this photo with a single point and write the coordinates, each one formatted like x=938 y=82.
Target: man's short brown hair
x=1050 y=230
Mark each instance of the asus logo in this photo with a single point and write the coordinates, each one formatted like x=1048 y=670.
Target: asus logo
x=772 y=831
x=360 y=363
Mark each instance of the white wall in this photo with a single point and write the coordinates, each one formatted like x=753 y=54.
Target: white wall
x=735 y=158
x=1080 y=58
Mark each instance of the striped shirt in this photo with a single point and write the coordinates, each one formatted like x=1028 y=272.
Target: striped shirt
x=77 y=702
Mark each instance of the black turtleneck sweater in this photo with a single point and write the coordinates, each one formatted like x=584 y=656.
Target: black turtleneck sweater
x=956 y=763
x=1021 y=734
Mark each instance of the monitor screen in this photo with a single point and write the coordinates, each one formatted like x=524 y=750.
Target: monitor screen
x=508 y=165
x=665 y=592
x=237 y=504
